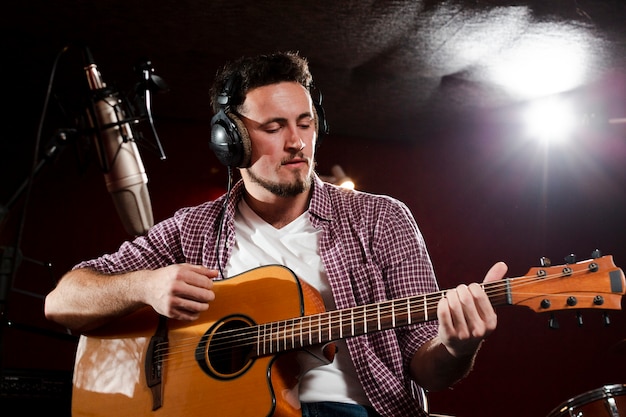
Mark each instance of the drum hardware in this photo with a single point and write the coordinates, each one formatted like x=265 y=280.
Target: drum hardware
x=607 y=401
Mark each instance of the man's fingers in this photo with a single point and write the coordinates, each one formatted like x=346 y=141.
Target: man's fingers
x=496 y=272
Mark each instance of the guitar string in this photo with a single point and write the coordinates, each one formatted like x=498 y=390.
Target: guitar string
x=321 y=321
x=317 y=325
x=276 y=334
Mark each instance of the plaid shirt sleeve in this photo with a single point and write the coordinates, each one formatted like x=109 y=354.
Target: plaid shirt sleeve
x=189 y=236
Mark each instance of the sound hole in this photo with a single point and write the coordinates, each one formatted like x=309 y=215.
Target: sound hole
x=225 y=350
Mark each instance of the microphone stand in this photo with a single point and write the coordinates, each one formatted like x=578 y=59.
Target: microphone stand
x=11 y=256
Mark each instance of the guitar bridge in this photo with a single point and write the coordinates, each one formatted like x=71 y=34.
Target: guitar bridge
x=157 y=350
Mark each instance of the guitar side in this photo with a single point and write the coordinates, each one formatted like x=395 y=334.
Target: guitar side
x=110 y=376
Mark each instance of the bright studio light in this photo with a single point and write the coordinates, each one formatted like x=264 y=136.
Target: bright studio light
x=338 y=177
x=550 y=121
x=341 y=179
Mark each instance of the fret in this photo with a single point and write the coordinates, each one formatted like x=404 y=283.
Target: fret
x=330 y=326
x=265 y=350
x=314 y=324
x=400 y=316
x=371 y=321
x=340 y=325
x=335 y=326
x=319 y=328
x=387 y=317
x=352 y=322
x=315 y=329
x=373 y=318
x=321 y=331
x=408 y=310
x=418 y=315
x=310 y=330
x=293 y=333
x=282 y=339
x=363 y=320
x=360 y=324
x=273 y=338
x=288 y=335
x=295 y=330
x=278 y=336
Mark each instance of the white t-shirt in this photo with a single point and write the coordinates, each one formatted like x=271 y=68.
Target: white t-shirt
x=296 y=246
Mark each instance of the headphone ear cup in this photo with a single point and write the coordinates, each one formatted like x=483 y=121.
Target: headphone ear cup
x=245 y=143
x=230 y=140
x=321 y=124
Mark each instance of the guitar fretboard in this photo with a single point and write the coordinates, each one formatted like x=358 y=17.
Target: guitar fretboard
x=274 y=337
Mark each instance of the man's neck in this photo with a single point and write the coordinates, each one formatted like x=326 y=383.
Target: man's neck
x=278 y=211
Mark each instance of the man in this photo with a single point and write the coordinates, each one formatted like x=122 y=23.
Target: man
x=354 y=248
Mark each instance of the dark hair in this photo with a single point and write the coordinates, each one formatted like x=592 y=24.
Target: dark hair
x=248 y=73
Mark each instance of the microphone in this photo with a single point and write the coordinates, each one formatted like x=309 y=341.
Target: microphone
x=124 y=173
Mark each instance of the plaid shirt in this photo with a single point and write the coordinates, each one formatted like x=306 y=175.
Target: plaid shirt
x=371 y=248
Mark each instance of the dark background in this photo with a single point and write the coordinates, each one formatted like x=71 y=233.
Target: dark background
x=415 y=113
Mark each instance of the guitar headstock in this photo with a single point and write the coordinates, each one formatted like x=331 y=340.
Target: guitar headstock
x=592 y=284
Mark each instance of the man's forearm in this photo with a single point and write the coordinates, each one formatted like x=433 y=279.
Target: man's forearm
x=84 y=299
x=434 y=368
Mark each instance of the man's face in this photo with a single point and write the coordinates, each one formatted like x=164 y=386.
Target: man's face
x=280 y=121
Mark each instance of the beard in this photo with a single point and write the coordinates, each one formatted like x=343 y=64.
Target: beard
x=284 y=189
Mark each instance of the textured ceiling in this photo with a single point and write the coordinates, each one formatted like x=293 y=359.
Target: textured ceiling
x=387 y=69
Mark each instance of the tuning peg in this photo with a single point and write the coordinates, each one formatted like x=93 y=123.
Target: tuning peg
x=570 y=259
x=606 y=318
x=596 y=254
x=579 y=318
x=553 y=322
x=545 y=262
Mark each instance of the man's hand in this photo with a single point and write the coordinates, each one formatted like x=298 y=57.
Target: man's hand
x=181 y=291
x=466 y=315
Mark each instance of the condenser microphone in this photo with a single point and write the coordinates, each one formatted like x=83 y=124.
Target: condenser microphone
x=124 y=173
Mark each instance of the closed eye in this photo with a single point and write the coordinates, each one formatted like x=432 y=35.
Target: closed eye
x=273 y=127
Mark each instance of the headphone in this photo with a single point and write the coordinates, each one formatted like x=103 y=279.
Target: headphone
x=230 y=140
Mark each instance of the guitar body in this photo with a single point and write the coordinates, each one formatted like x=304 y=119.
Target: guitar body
x=111 y=377
x=239 y=359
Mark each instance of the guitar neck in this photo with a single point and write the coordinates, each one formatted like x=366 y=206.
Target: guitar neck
x=333 y=325
x=592 y=284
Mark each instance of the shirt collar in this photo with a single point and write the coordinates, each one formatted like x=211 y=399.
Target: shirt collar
x=320 y=205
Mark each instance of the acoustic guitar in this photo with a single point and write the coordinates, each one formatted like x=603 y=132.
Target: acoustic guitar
x=239 y=358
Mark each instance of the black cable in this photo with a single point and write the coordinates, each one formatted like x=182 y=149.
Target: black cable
x=221 y=223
